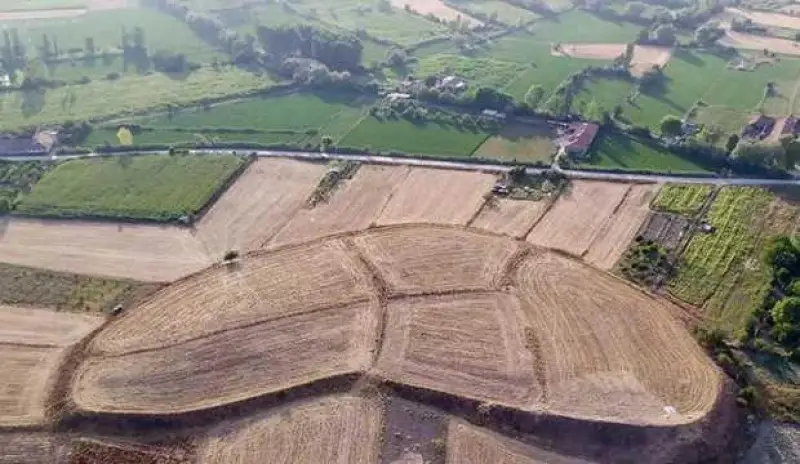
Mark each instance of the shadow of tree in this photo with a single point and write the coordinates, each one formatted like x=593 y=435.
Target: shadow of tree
x=32 y=102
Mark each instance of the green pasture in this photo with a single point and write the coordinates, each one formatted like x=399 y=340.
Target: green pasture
x=505 y=13
x=579 y=26
x=620 y=151
x=477 y=71
x=153 y=187
x=524 y=143
x=685 y=199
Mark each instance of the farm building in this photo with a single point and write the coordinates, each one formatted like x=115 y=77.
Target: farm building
x=759 y=127
x=18 y=146
x=791 y=126
x=576 y=138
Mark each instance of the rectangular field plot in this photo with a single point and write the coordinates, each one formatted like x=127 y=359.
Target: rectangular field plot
x=231 y=366
x=619 y=151
x=579 y=216
x=514 y=218
x=425 y=345
x=682 y=198
x=44 y=327
x=477 y=71
x=438 y=197
x=523 y=143
x=33 y=448
x=354 y=206
x=128 y=251
x=264 y=198
x=153 y=187
x=28 y=374
x=583 y=27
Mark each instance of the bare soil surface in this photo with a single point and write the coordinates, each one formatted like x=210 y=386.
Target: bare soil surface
x=413 y=433
x=514 y=218
x=756 y=42
x=775 y=444
x=437 y=8
x=766 y=18
x=665 y=228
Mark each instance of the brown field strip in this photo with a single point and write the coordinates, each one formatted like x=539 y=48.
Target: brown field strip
x=437 y=196
x=757 y=42
x=44 y=327
x=613 y=239
x=146 y=253
x=258 y=204
x=267 y=286
x=354 y=206
x=574 y=222
x=510 y=217
x=88 y=451
x=230 y=366
x=466 y=345
x=333 y=430
x=612 y=353
x=32 y=448
x=428 y=259
x=28 y=376
x=467 y=444
x=437 y=8
x=767 y=19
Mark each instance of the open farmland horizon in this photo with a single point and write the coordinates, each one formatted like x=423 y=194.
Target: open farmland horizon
x=399 y=231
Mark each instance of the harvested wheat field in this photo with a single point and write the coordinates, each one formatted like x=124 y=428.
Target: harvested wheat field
x=129 y=251
x=613 y=239
x=467 y=444
x=32 y=346
x=437 y=196
x=578 y=216
x=756 y=42
x=647 y=56
x=90 y=451
x=514 y=218
x=467 y=345
x=230 y=366
x=33 y=448
x=767 y=19
x=333 y=430
x=437 y=8
x=354 y=206
x=258 y=204
x=611 y=353
x=283 y=283
x=413 y=260
x=592 y=51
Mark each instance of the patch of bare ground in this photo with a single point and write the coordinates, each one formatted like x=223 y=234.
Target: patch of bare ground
x=33 y=344
x=33 y=448
x=775 y=444
x=647 y=56
x=437 y=196
x=665 y=229
x=468 y=444
x=615 y=236
x=579 y=216
x=146 y=253
x=510 y=217
x=612 y=353
x=416 y=260
x=88 y=451
x=231 y=366
x=414 y=433
x=468 y=345
x=336 y=430
x=258 y=205
x=592 y=51
x=355 y=206
x=436 y=8
x=267 y=286
x=766 y=18
x=757 y=42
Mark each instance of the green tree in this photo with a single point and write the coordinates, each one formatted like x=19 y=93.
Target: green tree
x=534 y=95
x=671 y=126
x=733 y=140
x=665 y=34
x=634 y=10
x=593 y=112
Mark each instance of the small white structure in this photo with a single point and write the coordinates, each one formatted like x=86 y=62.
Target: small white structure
x=396 y=96
x=493 y=114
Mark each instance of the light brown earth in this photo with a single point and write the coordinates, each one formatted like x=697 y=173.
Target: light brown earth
x=615 y=236
x=410 y=260
x=756 y=42
x=130 y=251
x=437 y=8
x=32 y=345
x=354 y=206
x=514 y=218
x=579 y=216
x=231 y=366
x=335 y=430
x=647 y=56
x=643 y=60
x=437 y=196
x=464 y=313
x=467 y=444
x=32 y=448
x=286 y=282
x=258 y=205
x=767 y=19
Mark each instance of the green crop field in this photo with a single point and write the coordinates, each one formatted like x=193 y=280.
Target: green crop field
x=606 y=93
x=579 y=26
x=477 y=71
x=743 y=90
x=505 y=13
x=682 y=198
x=395 y=24
x=522 y=143
x=403 y=136
x=151 y=187
x=714 y=262
x=619 y=151
x=129 y=95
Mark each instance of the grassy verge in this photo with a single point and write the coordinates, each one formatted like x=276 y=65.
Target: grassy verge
x=152 y=187
x=66 y=292
x=682 y=198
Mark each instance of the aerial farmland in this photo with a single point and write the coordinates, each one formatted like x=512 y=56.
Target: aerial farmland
x=399 y=232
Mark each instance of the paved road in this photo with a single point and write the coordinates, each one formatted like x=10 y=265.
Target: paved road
x=428 y=162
